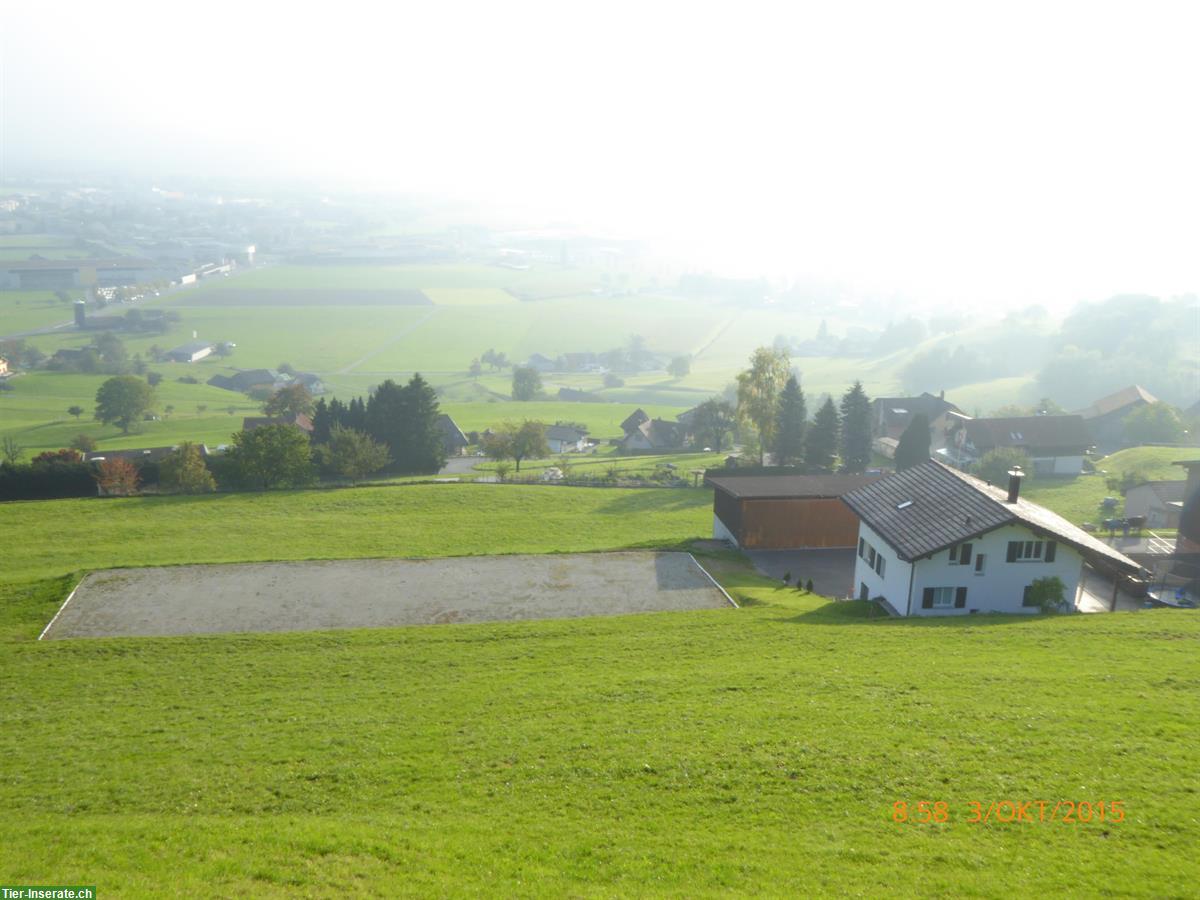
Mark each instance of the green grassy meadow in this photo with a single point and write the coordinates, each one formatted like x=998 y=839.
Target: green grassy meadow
x=756 y=751
x=1078 y=499
x=27 y=310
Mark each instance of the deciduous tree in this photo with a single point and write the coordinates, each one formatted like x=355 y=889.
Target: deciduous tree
x=118 y=477
x=758 y=390
x=712 y=422
x=679 y=366
x=993 y=467
x=123 y=400
x=184 y=471
x=517 y=442
x=353 y=454
x=290 y=400
x=12 y=450
x=1154 y=423
x=271 y=456
x=526 y=382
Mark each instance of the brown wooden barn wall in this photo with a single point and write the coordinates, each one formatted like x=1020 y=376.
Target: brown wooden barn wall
x=791 y=524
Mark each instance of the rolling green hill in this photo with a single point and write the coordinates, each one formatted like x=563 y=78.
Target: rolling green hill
x=758 y=751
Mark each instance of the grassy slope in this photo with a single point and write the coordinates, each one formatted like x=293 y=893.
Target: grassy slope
x=753 y=751
x=1078 y=499
x=420 y=520
x=35 y=413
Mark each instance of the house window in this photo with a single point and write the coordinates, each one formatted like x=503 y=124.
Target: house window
x=1031 y=551
x=943 y=598
x=871 y=556
x=879 y=565
x=1025 y=598
x=960 y=555
x=979 y=563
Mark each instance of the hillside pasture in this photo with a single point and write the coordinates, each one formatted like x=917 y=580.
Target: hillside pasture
x=34 y=413
x=1078 y=499
x=759 y=751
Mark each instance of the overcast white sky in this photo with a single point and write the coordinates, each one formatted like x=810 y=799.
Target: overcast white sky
x=987 y=154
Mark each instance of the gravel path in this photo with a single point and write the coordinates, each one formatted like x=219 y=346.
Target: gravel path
x=371 y=593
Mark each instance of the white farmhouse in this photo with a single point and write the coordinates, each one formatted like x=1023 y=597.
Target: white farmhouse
x=566 y=438
x=936 y=541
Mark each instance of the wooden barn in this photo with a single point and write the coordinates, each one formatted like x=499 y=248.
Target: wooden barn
x=785 y=511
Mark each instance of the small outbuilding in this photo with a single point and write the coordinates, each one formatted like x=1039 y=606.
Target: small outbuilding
x=188 y=353
x=772 y=511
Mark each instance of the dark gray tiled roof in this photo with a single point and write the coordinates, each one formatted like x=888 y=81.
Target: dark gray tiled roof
x=948 y=506
x=1034 y=432
x=782 y=487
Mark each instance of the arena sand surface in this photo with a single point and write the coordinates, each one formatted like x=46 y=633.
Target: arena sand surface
x=374 y=593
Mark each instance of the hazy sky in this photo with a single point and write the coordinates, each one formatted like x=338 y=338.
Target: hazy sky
x=983 y=154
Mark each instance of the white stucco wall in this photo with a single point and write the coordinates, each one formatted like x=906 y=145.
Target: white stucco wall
x=721 y=533
x=1001 y=587
x=1058 y=465
x=893 y=586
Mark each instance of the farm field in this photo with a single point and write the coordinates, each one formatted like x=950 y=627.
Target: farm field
x=27 y=310
x=753 y=751
x=357 y=325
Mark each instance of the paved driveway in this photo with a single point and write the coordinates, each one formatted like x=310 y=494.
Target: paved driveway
x=831 y=571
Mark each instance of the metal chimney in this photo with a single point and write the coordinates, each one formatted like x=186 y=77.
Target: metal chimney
x=1014 y=483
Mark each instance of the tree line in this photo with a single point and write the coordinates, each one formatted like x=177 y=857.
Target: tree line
x=771 y=414
x=401 y=419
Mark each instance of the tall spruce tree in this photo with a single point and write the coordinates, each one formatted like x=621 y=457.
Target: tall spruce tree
x=356 y=415
x=421 y=448
x=338 y=413
x=322 y=422
x=385 y=418
x=913 y=448
x=856 y=429
x=790 y=425
x=821 y=442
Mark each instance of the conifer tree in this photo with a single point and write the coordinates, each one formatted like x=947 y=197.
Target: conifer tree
x=913 y=448
x=856 y=429
x=791 y=424
x=821 y=442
